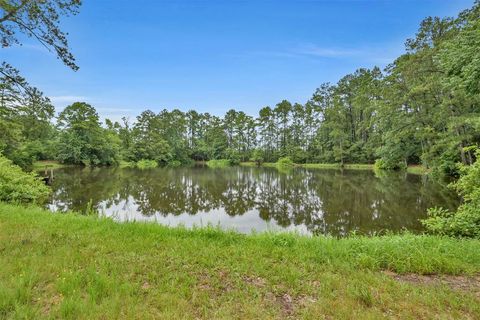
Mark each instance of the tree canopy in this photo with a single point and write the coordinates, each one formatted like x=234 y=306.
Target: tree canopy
x=423 y=108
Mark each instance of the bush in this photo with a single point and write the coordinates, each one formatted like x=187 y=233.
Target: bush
x=147 y=164
x=388 y=164
x=22 y=158
x=17 y=186
x=285 y=165
x=465 y=222
x=285 y=162
x=445 y=164
x=233 y=156
x=174 y=164
x=257 y=157
x=298 y=155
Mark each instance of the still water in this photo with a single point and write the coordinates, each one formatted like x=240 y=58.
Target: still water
x=334 y=202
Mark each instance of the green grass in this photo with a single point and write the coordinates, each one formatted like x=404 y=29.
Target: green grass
x=315 y=165
x=78 y=267
x=419 y=170
x=127 y=164
x=50 y=164
x=414 y=169
x=142 y=164
x=253 y=164
x=337 y=166
x=146 y=164
x=220 y=163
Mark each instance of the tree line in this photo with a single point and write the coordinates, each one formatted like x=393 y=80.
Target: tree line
x=423 y=108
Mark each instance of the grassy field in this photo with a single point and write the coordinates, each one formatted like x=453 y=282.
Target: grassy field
x=50 y=164
x=77 y=267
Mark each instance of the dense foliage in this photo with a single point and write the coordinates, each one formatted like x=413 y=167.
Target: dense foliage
x=82 y=140
x=423 y=108
x=465 y=222
x=26 y=129
x=18 y=186
x=285 y=162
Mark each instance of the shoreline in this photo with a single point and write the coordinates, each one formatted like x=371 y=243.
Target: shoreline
x=412 y=169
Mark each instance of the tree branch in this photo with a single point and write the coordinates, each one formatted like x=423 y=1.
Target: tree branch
x=14 y=11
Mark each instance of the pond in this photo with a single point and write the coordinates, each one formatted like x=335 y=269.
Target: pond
x=334 y=202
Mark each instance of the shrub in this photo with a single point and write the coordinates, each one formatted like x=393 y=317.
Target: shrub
x=285 y=162
x=388 y=164
x=22 y=158
x=18 y=186
x=298 y=155
x=465 y=222
x=233 y=156
x=147 y=164
x=257 y=157
x=174 y=164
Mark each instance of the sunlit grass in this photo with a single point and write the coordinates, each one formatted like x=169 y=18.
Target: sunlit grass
x=419 y=170
x=414 y=169
x=253 y=164
x=78 y=267
x=220 y=163
x=146 y=164
x=49 y=164
x=337 y=166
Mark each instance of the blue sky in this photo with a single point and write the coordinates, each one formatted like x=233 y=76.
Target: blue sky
x=213 y=55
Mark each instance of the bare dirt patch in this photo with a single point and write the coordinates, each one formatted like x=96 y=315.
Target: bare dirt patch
x=459 y=283
x=290 y=304
x=146 y=286
x=215 y=284
x=287 y=304
x=255 y=281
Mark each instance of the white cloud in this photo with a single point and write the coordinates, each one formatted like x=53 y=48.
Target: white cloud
x=29 y=47
x=67 y=99
x=324 y=52
x=378 y=54
x=114 y=110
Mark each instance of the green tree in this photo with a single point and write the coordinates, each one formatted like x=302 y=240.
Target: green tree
x=267 y=132
x=39 y=20
x=257 y=157
x=25 y=119
x=83 y=140
x=282 y=114
x=148 y=141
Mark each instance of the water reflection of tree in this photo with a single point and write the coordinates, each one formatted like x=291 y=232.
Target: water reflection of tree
x=326 y=201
